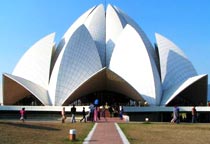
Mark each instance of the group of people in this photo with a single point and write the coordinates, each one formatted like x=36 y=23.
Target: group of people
x=176 y=117
x=73 y=112
x=97 y=111
x=94 y=114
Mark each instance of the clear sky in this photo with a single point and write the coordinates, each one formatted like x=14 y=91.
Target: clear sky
x=185 y=22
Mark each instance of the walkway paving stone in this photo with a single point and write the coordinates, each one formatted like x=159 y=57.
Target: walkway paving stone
x=106 y=132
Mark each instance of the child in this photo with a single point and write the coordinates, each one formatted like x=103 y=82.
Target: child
x=22 y=114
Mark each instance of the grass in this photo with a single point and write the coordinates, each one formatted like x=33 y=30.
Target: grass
x=53 y=132
x=42 y=132
x=166 y=133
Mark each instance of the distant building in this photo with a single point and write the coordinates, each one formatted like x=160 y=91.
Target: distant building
x=209 y=92
x=104 y=55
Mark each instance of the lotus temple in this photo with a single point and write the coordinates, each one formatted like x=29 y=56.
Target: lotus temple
x=104 y=55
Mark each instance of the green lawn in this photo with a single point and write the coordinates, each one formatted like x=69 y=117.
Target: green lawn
x=12 y=132
x=166 y=133
x=54 y=132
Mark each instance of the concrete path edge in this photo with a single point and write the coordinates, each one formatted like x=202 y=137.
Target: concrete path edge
x=89 y=136
x=122 y=135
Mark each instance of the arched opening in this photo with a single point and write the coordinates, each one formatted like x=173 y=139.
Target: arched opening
x=193 y=95
x=29 y=100
x=106 y=86
x=105 y=98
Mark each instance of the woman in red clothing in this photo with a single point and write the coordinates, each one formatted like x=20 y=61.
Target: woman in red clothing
x=22 y=114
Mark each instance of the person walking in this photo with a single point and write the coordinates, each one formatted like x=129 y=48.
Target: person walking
x=111 y=111
x=121 y=112
x=63 y=115
x=73 y=112
x=95 y=114
x=194 y=115
x=103 y=113
x=175 y=118
x=98 y=112
x=22 y=114
x=83 y=115
x=91 y=113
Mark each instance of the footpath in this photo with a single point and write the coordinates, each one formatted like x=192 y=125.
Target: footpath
x=106 y=132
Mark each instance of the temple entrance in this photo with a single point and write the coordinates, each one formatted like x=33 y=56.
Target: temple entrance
x=105 y=97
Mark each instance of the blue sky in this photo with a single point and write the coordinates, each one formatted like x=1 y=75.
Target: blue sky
x=185 y=22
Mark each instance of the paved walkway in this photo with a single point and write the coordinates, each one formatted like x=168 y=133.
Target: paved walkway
x=106 y=132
